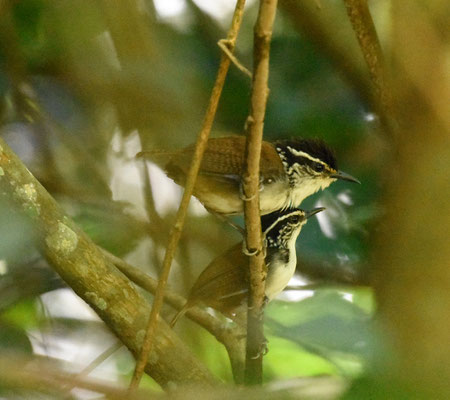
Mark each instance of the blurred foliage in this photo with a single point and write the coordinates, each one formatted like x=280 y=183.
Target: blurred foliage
x=85 y=84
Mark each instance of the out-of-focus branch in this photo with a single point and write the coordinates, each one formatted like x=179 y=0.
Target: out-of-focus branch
x=25 y=281
x=313 y=388
x=410 y=249
x=320 y=26
x=258 y=272
x=359 y=15
x=97 y=361
x=45 y=376
x=325 y=274
x=79 y=262
x=41 y=376
x=175 y=235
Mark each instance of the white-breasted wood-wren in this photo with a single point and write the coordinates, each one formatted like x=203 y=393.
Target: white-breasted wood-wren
x=223 y=284
x=290 y=171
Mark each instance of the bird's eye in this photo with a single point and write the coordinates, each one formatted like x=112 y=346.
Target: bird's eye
x=295 y=219
x=318 y=167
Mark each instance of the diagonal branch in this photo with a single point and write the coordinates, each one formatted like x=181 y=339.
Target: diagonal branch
x=205 y=320
x=73 y=255
x=318 y=25
x=190 y=182
x=44 y=376
x=260 y=91
x=361 y=20
x=230 y=336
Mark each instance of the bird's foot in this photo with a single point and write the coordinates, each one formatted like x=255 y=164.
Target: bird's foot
x=249 y=252
x=263 y=350
x=243 y=196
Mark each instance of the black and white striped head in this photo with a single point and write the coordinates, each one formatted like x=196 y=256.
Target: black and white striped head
x=282 y=228
x=310 y=161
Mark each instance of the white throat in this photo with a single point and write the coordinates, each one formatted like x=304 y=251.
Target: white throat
x=279 y=273
x=305 y=186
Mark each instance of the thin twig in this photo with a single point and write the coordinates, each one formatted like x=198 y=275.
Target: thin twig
x=207 y=321
x=155 y=221
x=149 y=200
x=223 y=44
x=361 y=20
x=190 y=182
x=92 y=366
x=99 y=360
x=260 y=91
x=230 y=336
x=27 y=374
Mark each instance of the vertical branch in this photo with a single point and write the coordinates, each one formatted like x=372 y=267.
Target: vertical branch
x=190 y=182
x=260 y=91
x=361 y=20
x=413 y=305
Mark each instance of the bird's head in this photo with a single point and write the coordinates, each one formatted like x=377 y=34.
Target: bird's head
x=281 y=228
x=310 y=163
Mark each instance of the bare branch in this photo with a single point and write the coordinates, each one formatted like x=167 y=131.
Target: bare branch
x=230 y=336
x=223 y=44
x=319 y=26
x=44 y=376
x=260 y=91
x=359 y=15
x=97 y=361
x=175 y=235
x=196 y=314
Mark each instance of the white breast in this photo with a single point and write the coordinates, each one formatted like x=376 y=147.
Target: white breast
x=279 y=274
x=274 y=196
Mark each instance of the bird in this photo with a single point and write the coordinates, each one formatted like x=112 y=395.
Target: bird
x=290 y=171
x=223 y=284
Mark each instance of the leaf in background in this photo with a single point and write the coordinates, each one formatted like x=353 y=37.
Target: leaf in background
x=16 y=233
x=14 y=339
x=23 y=315
x=110 y=227
x=325 y=324
x=285 y=359
x=25 y=281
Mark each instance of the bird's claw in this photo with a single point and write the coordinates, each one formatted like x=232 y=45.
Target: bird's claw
x=250 y=253
x=264 y=349
x=244 y=197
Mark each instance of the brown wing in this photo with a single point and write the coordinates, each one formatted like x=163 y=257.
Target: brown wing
x=224 y=160
x=223 y=283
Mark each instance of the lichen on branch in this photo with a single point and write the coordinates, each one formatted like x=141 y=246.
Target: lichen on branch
x=96 y=280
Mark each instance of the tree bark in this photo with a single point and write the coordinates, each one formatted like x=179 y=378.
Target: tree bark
x=97 y=281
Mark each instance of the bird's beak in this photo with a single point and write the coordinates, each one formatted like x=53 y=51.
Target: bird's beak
x=314 y=211
x=344 y=177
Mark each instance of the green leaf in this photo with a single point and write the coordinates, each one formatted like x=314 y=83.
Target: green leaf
x=326 y=325
x=14 y=339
